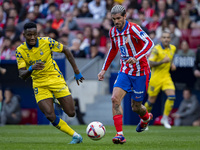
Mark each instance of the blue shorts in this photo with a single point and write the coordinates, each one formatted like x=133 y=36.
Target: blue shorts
x=136 y=85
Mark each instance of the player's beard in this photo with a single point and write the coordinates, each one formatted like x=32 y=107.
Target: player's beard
x=120 y=27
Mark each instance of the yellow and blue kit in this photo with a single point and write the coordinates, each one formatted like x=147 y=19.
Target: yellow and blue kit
x=160 y=75
x=49 y=80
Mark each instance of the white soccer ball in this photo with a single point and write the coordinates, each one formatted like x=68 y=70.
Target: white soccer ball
x=95 y=130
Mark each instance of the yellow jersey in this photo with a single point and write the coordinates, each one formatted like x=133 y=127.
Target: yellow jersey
x=158 y=53
x=41 y=52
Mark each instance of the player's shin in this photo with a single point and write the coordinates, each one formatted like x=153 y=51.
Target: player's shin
x=148 y=106
x=62 y=125
x=118 y=123
x=169 y=105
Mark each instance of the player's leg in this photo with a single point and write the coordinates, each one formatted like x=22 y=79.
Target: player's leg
x=121 y=86
x=117 y=96
x=63 y=95
x=143 y=114
x=139 y=94
x=153 y=90
x=168 y=107
x=46 y=106
x=68 y=106
x=150 y=102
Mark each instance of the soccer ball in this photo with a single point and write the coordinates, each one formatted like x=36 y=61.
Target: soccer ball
x=95 y=130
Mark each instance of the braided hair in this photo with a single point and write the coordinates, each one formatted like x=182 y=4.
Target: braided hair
x=118 y=9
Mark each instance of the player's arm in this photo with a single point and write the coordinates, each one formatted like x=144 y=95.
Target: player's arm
x=2 y=70
x=71 y=59
x=141 y=35
x=111 y=55
x=155 y=64
x=173 y=67
x=24 y=73
x=154 y=56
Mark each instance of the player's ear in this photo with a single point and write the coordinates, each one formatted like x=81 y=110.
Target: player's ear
x=125 y=16
x=24 y=33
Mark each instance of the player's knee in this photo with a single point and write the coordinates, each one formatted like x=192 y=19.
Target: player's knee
x=135 y=108
x=114 y=99
x=71 y=113
x=50 y=116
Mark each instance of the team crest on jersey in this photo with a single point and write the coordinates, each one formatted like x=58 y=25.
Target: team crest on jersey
x=41 y=52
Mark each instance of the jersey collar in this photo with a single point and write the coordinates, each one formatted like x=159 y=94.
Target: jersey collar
x=124 y=27
x=30 y=47
x=163 y=45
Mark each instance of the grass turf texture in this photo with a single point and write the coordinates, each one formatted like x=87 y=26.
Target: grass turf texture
x=49 y=138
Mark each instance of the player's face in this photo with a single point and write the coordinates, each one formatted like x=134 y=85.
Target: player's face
x=119 y=20
x=165 y=39
x=31 y=36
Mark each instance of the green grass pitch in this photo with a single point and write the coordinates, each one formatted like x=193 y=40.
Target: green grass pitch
x=49 y=138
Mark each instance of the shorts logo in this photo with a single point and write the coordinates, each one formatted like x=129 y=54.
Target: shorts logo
x=137 y=97
x=138 y=92
x=62 y=89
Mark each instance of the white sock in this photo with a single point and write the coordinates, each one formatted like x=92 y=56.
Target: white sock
x=121 y=132
x=75 y=134
x=165 y=117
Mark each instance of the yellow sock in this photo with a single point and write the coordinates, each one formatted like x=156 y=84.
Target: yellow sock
x=148 y=106
x=168 y=105
x=62 y=125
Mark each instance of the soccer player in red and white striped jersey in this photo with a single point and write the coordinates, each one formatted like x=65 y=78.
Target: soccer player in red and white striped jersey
x=133 y=44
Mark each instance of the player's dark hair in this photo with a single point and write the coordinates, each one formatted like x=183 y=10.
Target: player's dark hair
x=118 y=9
x=37 y=5
x=166 y=31
x=30 y=25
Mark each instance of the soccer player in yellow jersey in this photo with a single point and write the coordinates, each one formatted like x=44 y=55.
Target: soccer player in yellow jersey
x=34 y=58
x=161 y=62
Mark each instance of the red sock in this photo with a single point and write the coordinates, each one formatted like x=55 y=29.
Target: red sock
x=145 y=117
x=118 y=122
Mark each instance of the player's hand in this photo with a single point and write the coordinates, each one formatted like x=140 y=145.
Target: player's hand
x=101 y=75
x=173 y=67
x=38 y=66
x=2 y=70
x=131 y=60
x=79 y=78
x=166 y=59
x=197 y=73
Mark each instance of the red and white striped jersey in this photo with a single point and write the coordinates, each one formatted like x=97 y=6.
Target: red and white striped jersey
x=132 y=41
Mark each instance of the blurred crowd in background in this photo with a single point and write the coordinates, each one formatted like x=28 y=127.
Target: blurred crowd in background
x=84 y=25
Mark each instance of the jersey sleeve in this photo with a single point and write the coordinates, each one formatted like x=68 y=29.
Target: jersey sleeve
x=154 y=54
x=55 y=46
x=20 y=60
x=141 y=35
x=111 y=55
